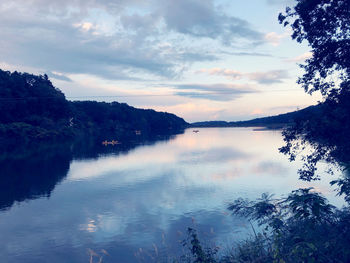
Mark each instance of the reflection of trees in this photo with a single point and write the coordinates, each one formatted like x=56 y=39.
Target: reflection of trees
x=32 y=173
x=323 y=136
x=29 y=172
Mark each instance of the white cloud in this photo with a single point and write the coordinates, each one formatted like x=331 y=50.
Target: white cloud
x=268 y=77
x=85 y=26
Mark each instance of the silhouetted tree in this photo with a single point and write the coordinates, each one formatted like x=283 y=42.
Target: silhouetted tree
x=302 y=227
x=325 y=25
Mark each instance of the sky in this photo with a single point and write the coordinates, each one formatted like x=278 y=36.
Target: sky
x=200 y=59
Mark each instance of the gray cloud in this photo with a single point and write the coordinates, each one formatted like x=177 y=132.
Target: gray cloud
x=215 y=92
x=64 y=36
x=200 y=18
x=209 y=96
x=270 y=168
x=141 y=23
x=59 y=42
x=269 y=77
x=59 y=76
x=280 y=2
x=266 y=77
x=65 y=8
x=247 y=54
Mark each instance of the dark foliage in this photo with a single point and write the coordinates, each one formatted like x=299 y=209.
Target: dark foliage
x=32 y=109
x=302 y=227
x=323 y=135
x=325 y=25
x=343 y=184
x=198 y=254
x=272 y=122
x=30 y=174
x=31 y=99
x=32 y=170
x=119 y=119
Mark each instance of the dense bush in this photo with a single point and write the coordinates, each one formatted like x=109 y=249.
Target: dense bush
x=302 y=227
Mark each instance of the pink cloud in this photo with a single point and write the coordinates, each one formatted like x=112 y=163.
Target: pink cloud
x=300 y=58
x=274 y=39
x=256 y=112
x=233 y=74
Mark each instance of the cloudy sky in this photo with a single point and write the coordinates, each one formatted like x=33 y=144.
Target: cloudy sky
x=199 y=59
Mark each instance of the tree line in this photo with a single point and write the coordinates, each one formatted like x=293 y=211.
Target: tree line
x=32 y=109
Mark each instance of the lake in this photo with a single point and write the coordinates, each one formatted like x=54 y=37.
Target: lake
x=135 y=203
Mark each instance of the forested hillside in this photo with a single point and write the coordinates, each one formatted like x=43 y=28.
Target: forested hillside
x=32 y=109
x=278 y=121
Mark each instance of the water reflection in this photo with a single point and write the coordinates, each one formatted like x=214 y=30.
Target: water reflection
x=31 y=174
x=33 y=171
x=143 y=197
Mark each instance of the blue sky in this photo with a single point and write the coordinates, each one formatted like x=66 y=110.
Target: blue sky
x=199 y=59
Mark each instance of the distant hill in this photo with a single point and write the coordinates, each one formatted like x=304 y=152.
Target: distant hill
x=271 y=122
x=32 y=109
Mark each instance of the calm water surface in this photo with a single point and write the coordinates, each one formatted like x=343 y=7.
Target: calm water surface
x=137 y=204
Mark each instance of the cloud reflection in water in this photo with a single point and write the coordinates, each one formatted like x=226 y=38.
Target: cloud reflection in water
x=148 y=196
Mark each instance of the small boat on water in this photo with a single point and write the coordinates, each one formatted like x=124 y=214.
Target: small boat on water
x=113 y=142
x=195 y=131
